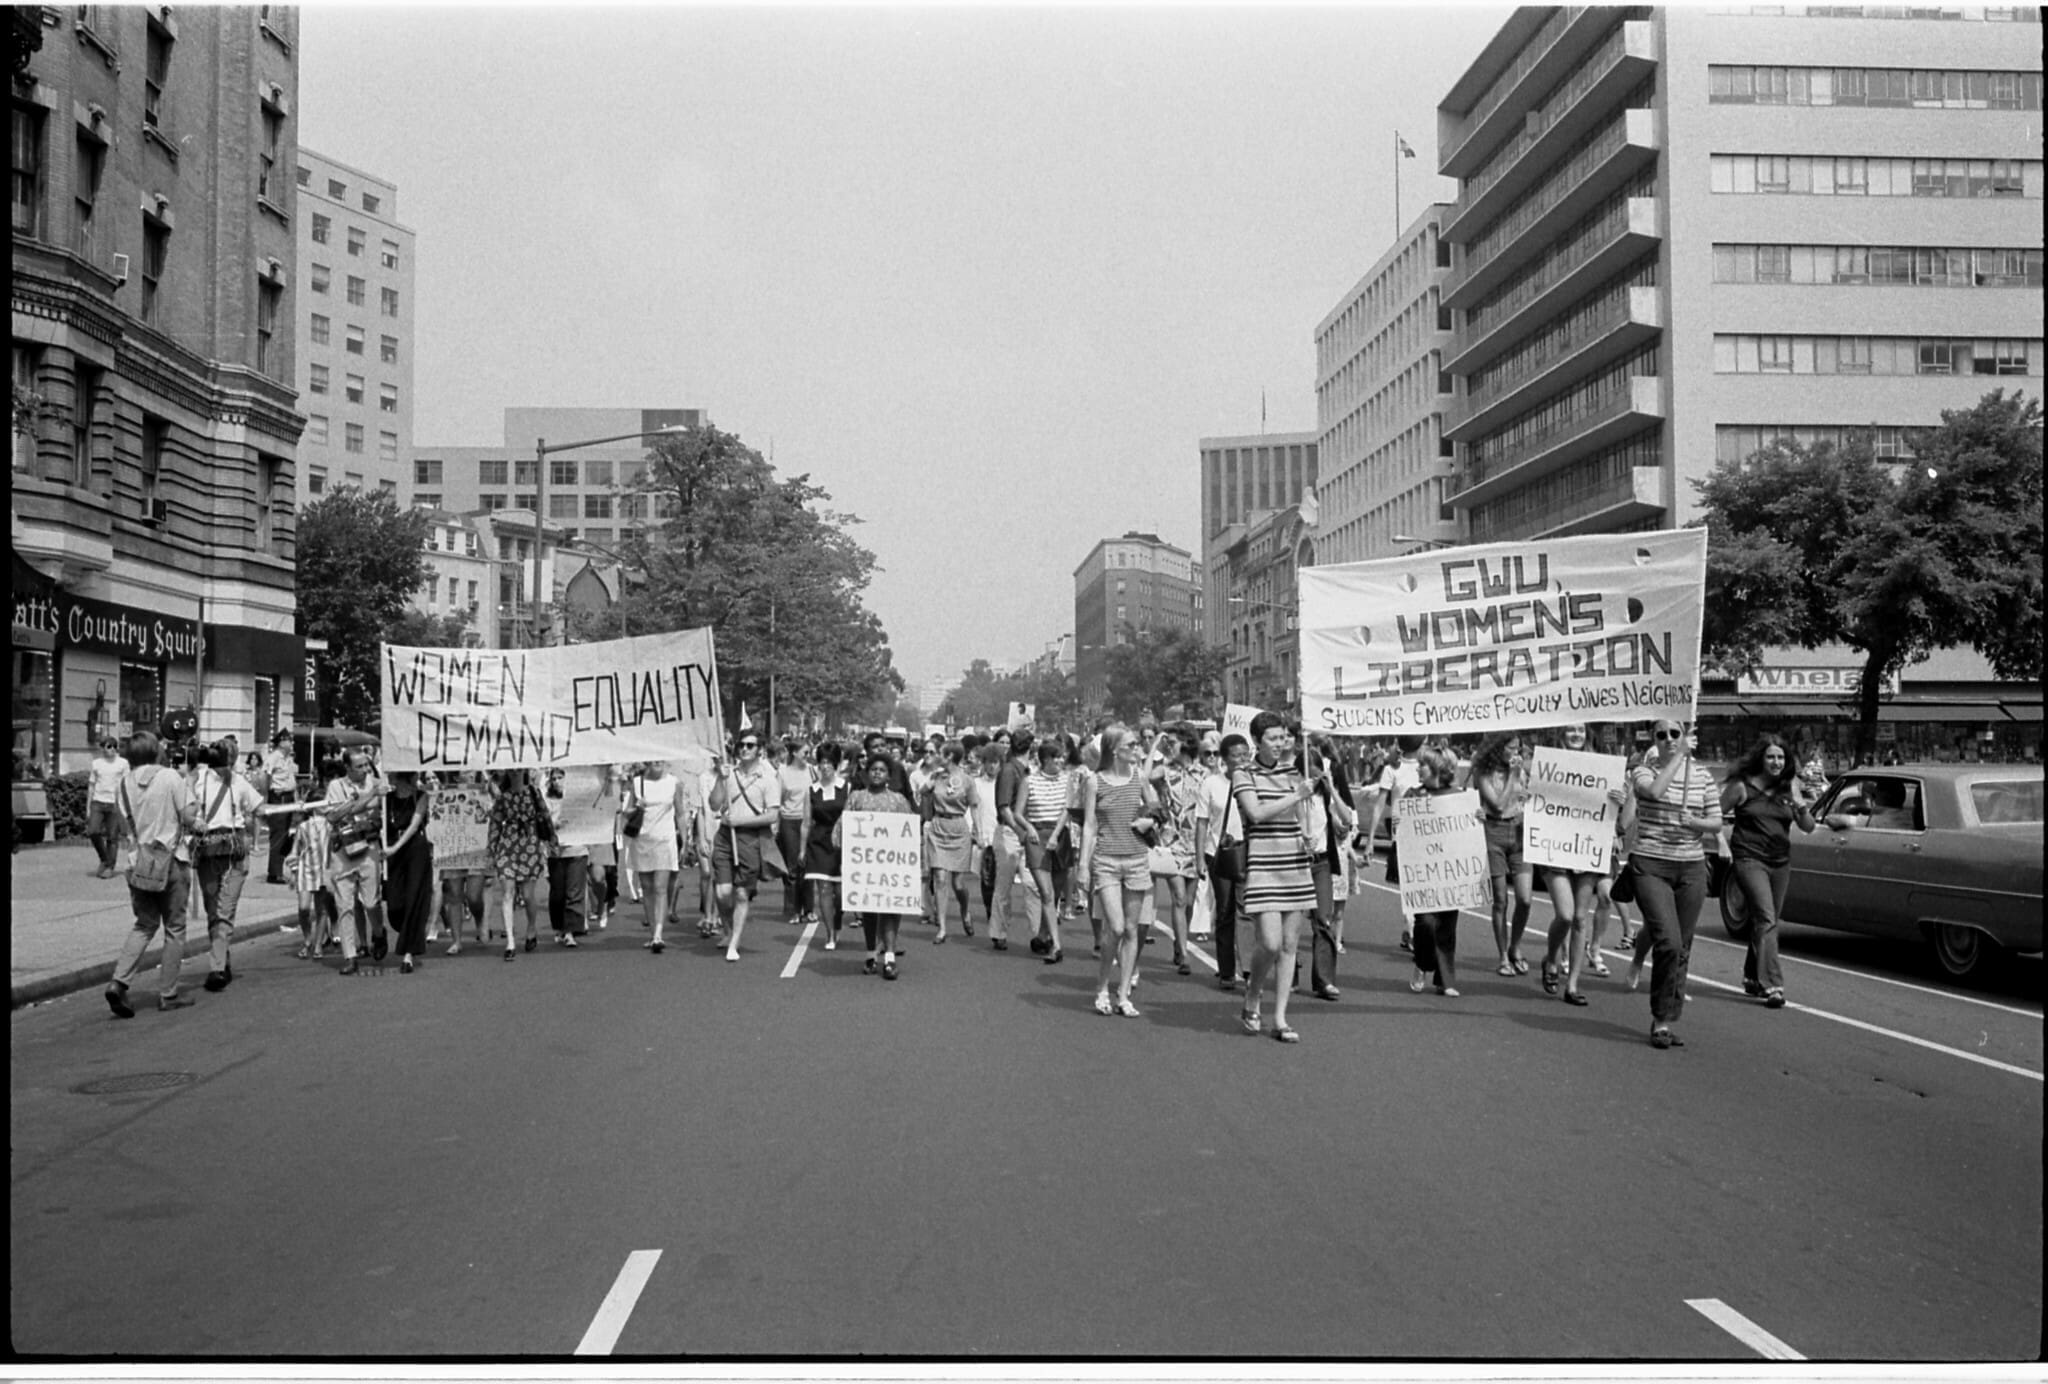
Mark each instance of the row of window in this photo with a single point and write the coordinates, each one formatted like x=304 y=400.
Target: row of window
x=358 y=288
x=1592 y=316
x=318 y=429
x=320 y=381
x=595 y=506
x=1889 y=265
x=1554 y=418
x=1993 y=14
x=561 y=471
x=338 y=190
x=354 y=340
x=1573 y=165
x=1925 y=88
x=1740 y=441
x=1588 y=484
x=1740 y=354
x=323 y=233
x=1822 y=176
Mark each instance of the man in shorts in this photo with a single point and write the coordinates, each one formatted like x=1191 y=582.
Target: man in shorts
x=743 y=807
x=354 y=866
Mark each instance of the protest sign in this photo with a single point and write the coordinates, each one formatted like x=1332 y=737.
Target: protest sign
x=1023 y=716
x=1568 y=819
x=458 y=825
x=1237 y=720
x=1441 y=851
x=1505 y=636
x=881 y=862
x=612 y=702
x=589 y=806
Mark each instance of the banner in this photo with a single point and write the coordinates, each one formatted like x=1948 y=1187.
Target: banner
x=1568 y=819
x=458 y=825
x=1440 y=849
x=881 y=862
x=619 y=701
x=1505 y=636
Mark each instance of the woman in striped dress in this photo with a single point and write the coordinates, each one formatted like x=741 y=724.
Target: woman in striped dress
x=1279 y=888
x=1113 y=859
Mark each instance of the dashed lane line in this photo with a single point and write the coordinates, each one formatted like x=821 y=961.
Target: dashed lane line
x=1743 y=1329
x=803 y=944
x=618 y=1303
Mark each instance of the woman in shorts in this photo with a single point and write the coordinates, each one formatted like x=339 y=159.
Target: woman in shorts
x=1113 y=858
x=1047 y=848
x=1503 y=782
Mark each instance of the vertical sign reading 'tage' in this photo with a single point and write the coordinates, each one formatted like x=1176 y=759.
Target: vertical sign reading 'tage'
x=881 y=862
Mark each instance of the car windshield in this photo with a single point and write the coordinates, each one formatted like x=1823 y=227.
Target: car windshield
x=2007 y=802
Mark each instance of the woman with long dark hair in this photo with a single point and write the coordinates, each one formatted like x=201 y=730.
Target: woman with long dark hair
x=408 y=866
x=949 y=796
x=1279 y=888
x=519 y=854
x=1502 y=778
x=1763 y=799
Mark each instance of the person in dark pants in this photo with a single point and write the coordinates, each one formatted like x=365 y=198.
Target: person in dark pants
x=1435 y=936
x=1677 y=806
x=281 y=780
x=1215 y=827
x=568 y=874
x=408 y=866
x=1331 y=820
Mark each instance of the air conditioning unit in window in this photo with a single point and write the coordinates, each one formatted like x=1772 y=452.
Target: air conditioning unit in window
x=120 y=269
x=159 y=511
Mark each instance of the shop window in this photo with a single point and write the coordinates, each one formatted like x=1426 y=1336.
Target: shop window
x=266 y=710
x=33 y=685
x=142 y=696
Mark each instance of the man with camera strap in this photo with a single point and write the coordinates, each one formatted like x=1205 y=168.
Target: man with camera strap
x=228 y=805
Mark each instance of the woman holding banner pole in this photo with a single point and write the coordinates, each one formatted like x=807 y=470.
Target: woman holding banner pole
x=1279 y=889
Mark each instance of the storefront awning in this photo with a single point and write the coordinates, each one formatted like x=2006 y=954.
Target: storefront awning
x=1815 y=710
x=2024 y=711
x=1940 y=711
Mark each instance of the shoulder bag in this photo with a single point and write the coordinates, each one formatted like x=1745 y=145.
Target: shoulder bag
x=216 y=843
x=150 y=873
x=636 y=817
x=544 y=825
x=1233 y=858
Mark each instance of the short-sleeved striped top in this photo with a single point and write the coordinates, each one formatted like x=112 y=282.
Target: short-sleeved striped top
x=1115 y=805
x=1659 y=825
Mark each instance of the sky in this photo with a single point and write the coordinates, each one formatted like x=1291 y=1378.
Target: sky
x=987 y=275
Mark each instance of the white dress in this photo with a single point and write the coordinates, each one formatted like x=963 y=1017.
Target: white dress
x=655 y=847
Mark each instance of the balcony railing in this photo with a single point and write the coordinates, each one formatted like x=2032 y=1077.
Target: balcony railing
x=1621 y=307
x=1636 y=492
x=1610 y=237
x=1533 y=52
x=1602 y=414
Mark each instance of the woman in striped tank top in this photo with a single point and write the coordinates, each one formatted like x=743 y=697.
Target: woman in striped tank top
x=1113 y=859
x=1046 y=849
x=1279 y=888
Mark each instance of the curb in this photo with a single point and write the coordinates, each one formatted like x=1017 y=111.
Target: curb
x=70 y=982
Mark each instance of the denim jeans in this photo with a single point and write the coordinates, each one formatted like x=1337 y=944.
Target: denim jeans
x=165 y=910
x=1322 y=965
x=103 y=829
x=220 y=893
x=1670 y=894
x=1764 y=887
x=568 y=885
x=1224 y=920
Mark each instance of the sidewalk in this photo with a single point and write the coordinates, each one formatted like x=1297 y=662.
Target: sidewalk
x=66 y=927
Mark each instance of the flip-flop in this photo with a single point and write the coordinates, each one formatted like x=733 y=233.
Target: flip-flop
x=1506 y=968
x=1521 y=966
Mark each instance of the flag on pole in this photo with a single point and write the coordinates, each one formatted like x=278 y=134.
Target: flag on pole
x=746 y=721
x=1262 y=410
x=1406 y=151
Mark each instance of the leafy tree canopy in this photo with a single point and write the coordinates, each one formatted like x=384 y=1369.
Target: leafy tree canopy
x=1157 y=669
x=983 y=698
x=359 y=560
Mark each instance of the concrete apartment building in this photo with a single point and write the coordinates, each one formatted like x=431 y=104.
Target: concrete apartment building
x=355 y=329
x=1126 y=587
x=1243 y=477
x=1683 y=232
x=1381 y=389
x=151 y=520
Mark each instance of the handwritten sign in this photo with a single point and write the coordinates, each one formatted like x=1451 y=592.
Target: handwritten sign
x=1237 y=720
x=881 y=862
x=1505 y=636
x=613 y=702
x=1023 y=716
x=458 y=825
x=1441 y=851
x=1568 y=819
x=588 y=807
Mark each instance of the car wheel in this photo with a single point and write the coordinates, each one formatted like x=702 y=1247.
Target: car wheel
x=1960 y=951
x=1735 y=911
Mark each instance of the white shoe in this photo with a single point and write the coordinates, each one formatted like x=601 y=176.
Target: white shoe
x=831 y=944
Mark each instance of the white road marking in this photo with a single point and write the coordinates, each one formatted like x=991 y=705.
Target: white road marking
x=1743 y=1329
x=803 y=944
x=618 y=1303
x=1886 y=980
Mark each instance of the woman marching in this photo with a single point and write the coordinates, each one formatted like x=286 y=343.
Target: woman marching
x=821 y=851
x=1763 y=797
x=1113 y=859
x=1435 y=936
x=1177 y=785
x=950 y=794
x=1502 y=778
x=1049 y=846
x=652 y=854
x=1279 y=889
x=1571 y=899
x=518 y=846
x=878 y=929
x=1675 y=810
x=408 y=866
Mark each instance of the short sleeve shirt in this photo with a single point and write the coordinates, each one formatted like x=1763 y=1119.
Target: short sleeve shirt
x=1660 y=829
x=106 y=778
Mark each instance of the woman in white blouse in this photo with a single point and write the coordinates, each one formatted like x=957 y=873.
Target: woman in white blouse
x=651 y=853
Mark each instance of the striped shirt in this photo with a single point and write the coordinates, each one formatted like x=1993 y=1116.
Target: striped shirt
x=1660 y=830
x=1116 y=804
x=1045 y=799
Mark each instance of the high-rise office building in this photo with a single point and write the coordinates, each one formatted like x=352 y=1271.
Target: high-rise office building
x=1125 y=588
x=1242 y=478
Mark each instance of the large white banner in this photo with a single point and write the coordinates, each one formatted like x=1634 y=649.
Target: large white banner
x=1440 y=850
x=618 y=701
x=1505 y=636
x=1568 y=818
x=881 y=862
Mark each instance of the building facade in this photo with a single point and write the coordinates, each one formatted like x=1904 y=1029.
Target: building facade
x=354 y=328
x=155 y=419
x=1385 y=467
x=1127 y=587
x=1684 y=232
x=1243 y=478
x=1261 y=620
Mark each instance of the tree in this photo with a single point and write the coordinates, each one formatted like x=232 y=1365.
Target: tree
x=776 y=576
x=417 y=629
x=1152 y=670
x=360 y=562
x=975 y=701
x=1818 y=545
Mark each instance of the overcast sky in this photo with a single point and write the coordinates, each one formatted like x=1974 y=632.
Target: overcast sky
x=987 y=275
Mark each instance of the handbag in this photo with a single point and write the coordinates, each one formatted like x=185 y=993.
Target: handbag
x=217 y=843
x=544 y=826
x=1623 y=890
x=150 y=871
x=1160 y=860
x=636 y=817
x=1233 y=858
x=1202 y=909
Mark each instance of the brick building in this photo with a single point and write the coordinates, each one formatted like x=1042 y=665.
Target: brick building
x=1127 y=587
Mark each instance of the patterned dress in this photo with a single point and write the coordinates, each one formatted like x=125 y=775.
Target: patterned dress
x=515 y=846
x=1181 y=794
x=1279 y=879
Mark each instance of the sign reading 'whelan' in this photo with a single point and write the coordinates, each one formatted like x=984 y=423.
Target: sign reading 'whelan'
x=1505 y=636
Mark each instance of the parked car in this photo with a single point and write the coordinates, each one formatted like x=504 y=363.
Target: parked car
x=1947 y=854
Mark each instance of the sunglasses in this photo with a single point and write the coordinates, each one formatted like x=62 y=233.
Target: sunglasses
x=750 y=744
x=1669 y=734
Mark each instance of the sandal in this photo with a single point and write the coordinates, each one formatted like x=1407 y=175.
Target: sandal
x=1549 y=978
x=1125 y=1009
x=1597 y=967
x=870 y=966
x=1286 y=1034
x=1521 y=966
x=1574 y=997
x=1103 y=1006
x=1417 y=985
x=1248 y=1020
x=1506 y=968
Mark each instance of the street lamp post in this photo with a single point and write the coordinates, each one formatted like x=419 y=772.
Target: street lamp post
x=541 y=453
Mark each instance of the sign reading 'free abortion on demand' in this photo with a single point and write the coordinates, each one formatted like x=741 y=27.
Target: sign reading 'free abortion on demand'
x=1440 y=849
x=1505 y=636
x=1568 y=818
x=618 y=701
x=881 y=862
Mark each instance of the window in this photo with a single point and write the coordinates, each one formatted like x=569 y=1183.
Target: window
x=561 y=472
x=490 y=473
x=597 y=473
x=423 y=499
x=268 y=471
x=269 y=295
x=523 y=472
x=305 y=177
x=323 y=330
x=352 y=440
x=322 y=278
x=356 y=240
x=469 y=589
x=387 y=446
x=354 y=344
x=353 y=389
x=141 y=695
x=85 y=193
x=561 y=506
x=28 y=170
x=426 y=471
x=491 y=501
x=316 y=429
x=387 y=398
x=156 y=253
x=597 y=506
x=1773 y=264
x=525 y=499
x=268 y=186
x=89 y=380
x=337 y=189
x=316 y=379
x=156 y=72
x=1937 y=358
x=389 y=297
x=387 y=350
x=352 y=479
x=371 y=202
x=156 y=438
x=356 y=288
x=388 y=254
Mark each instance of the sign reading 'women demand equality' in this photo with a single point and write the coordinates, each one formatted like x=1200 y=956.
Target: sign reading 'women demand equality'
x=613 y=702
x=1505 y=636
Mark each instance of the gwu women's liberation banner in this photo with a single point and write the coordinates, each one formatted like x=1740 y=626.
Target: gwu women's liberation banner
x=617 y=701
x=1505 y=636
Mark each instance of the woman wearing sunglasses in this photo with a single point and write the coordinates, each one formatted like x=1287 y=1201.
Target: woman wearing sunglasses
x=1279 y=887
x=744 y=810
x=1113 y=860
x=1677 y=807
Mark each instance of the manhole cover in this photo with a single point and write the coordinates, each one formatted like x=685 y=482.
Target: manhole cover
x=141 y=1081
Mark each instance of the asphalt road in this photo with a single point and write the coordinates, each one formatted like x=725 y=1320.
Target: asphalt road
x=673 y=1156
